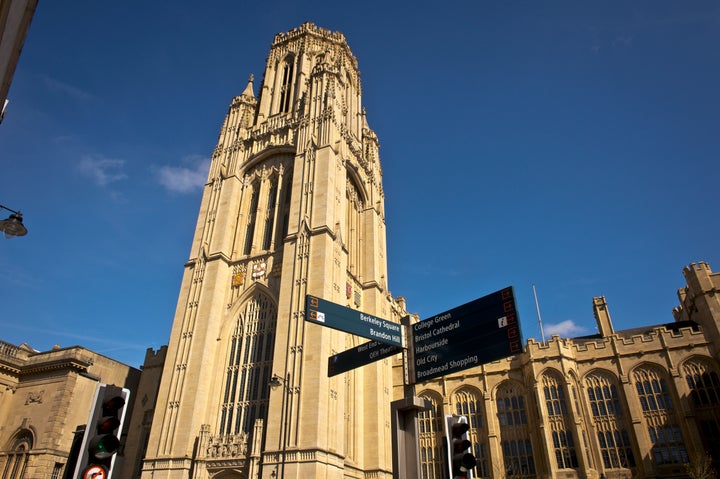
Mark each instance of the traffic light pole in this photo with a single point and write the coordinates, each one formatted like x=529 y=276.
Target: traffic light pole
x=406 y=443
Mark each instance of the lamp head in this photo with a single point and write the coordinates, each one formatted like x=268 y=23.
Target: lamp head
x=275 y=381
x=13 y=226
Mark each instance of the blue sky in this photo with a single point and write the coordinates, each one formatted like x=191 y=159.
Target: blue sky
x=570 y=145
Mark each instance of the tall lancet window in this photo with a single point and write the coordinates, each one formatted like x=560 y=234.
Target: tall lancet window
x=286 y=81
x=704 y=384
x=270 y=213
x=518 y=456
x=610 y=422
x=560 y=421
x=353 y=226
x=668 y=446
x=468 y=403
x=245 y=396
x=285 y=211
x=251 y=218
x=431 y=437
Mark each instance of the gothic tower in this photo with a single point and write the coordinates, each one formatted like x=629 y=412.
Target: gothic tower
x=293 y=205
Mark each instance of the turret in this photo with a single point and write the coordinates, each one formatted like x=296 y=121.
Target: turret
x=602 y=316
x=700 y=300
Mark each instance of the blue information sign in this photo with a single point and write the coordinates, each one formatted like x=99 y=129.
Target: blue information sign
x=360 y=356
x=335 y=316
x=481 y=331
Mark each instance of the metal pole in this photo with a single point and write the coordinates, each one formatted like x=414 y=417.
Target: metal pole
x=406 y=441
x=537 y=307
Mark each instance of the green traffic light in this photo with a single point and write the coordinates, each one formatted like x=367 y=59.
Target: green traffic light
x=103 y=447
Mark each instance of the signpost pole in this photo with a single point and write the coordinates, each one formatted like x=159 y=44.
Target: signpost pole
x=404 y=412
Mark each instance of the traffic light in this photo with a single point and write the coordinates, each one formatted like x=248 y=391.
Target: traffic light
x=102 y=433
x=460 y=461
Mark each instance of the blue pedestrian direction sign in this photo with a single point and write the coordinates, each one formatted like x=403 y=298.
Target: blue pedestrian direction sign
x=479 y=332
x=325 y=313
x=360 y=356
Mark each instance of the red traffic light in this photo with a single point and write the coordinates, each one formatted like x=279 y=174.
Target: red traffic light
x=460 y=445
x=107 y=424
x=459 y=428
x=113 y=405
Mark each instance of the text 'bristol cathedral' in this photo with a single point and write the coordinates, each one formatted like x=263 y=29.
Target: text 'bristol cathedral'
x=293 y=205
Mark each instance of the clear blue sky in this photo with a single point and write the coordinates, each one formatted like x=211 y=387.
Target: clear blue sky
x=571 y=145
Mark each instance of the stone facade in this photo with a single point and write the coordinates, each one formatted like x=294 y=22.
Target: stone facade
x=293 y=205
x=618 y=404
x=44 y=397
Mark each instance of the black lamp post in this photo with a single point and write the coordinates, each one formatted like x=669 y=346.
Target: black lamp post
x=13 y=226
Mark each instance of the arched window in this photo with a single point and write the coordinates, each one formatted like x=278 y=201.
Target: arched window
x=353 y=228
x=270 y=213
x=667 y=442
x=610 y=423
x=251 y=218
x=286 y=83
x=704 y=384
x=266 y=205
x=431 y=436
x=17 y=459
x=468 y=403
x=560 y=421
x=285 y=211
x=245 y=395
x=514 y=431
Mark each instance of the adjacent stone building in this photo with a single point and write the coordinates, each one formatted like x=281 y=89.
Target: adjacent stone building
x=616 y=404
x=44 y=397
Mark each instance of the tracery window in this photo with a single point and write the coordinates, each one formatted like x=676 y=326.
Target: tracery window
x=665 y=436
x=562 y=438
x=252 y=217
x=266 y=205
x=270 y=214
x=286 y=209
x=468 y=403
x=514 y=431
x=610 y=422
x=431 y=437
x=704 y=384
x=17 y=460
x=245 y=397
x=286 y=86
x=353 y=223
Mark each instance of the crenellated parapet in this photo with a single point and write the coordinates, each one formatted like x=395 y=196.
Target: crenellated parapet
x=311 y=38
x=622 y=343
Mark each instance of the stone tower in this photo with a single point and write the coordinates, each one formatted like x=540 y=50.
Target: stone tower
x=293 y=205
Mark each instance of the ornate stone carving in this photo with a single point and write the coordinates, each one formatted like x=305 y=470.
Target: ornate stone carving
x=232 y=446
x=35 y=397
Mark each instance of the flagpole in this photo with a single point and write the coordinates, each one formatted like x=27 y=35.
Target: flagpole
x=537 y=307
